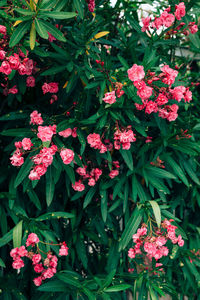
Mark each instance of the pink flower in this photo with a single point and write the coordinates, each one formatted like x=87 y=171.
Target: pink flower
x=151 y=107
x=30 y=81
x=18 y=263
x=47 y=273
x=51 y=37
x=180 y=11
x=38 y=281
x=131 y=253
x=65 y=133
x=22 y=251
x=178 y=93
x=161 y=99
x=145 y=91
x=91 y=5
x=2 y=54
x=21 y=70
x=113 y=173
x=32 y=240
x=188 y=95
x=146 y=22
x=91 y=182
x=36 y=118
x=13 y=90
x=17 y=160
x=78 y=186
x=45 y=133
x=5 y=68
x=168 y=74
x=74 y=132
x=180 y=241
x=14 y=253
x=167 y=19
x=110 y=97
x=157 y=23
x=67 y=156
x=81 y=171
x=28 y=63
x=38 y=268
x=36 y=259
x=193 y=28
x=94 y=140
x=27 y=144
x=33 y=175
x=3 y=29
x=63 y=251
x=14 y=61
x=51 y=87
x=136 y=73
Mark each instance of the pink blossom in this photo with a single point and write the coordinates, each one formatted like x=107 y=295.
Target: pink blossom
x=178 y=93
x=94 y=140
x=74 y=132
x=188 y=95
x=78 y=186
x=161 y=99
x=51 y=87
x=38 y=281
x=167 y=19
x=146 y=22
x=136 y=73
x=27 y=144
x=67 y=156
x=91 y=5
x=48 y=273
x=22 y=251
x=193 y=29
x=5 y=68
x=30 y=81
x=110 y=97
x=45 y=133
x=168 y=74
x=38 y=268
x=180 y=10
x=18 y=263
x=28 y=63
x=17 y=159
x=63 y=251
x=51 y=37
x=33 y=175
x=113 y=173
x=14 y=61
x=65 y=133
x=157 y=23
x=14 y=253
x=32 y=240
x=81 y=171
x=13 y=90
x=131 y=253
x=36 y=259
x=151 y=107
x=145 y=91
x=3 y=29
x=36 y=118
x=2 y=54
x=91 y=182
x=21 y=70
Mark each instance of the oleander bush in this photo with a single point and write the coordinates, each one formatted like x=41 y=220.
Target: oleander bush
x=100 y=127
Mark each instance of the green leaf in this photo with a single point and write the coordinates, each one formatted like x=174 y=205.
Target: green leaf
x=104 y=206
x=17 y=235
x=24 y=171
x=2 y=264
x=70 y=172
x=17 y=132
x=127 y=156
x=53 y=286
x=157 y=172
x=118 y=187
x=118 y=288
x=32 y=36
x=6 y=238
x=19 y=32
x=34 y=198
x=131 y=228
x=177 y=170
x=191 y=172
x=54 y=215
x=53 y=30
x=69 y=279
x=89 y=196
x=41 y=30
x=156 y=211
x=79 y=7
x=54 y=70
x=57 y=14
x=50 y=186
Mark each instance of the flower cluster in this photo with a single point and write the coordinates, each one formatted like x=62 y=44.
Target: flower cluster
x=146 y=90
x=94 y=140
x=46 y=266
x=124 y=138
x=115 y=169
x=110 y=97
x=153 y=244
x=45 y=157
x=91 y=5
x=167 y=19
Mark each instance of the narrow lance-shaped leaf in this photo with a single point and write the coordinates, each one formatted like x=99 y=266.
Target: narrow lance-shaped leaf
x=156 y=211
x=19 y=32
x=32 y=36
x=17 y=235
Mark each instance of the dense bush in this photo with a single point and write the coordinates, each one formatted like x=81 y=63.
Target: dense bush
x=100 y=143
